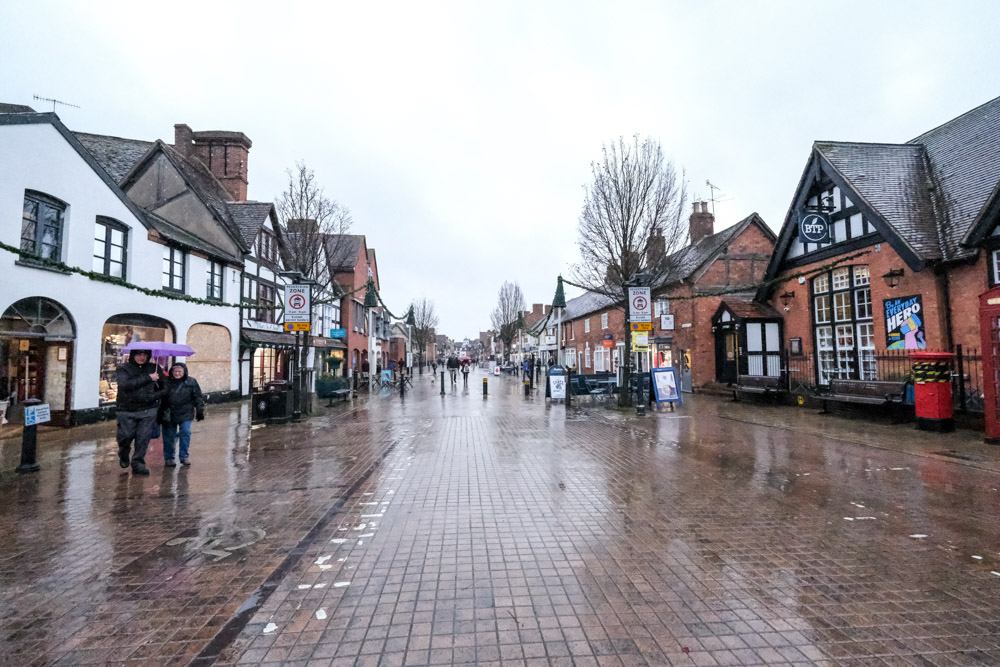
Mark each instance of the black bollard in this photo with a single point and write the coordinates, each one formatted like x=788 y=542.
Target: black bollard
x=29 y=443
x=402 y=384
x=485 y=385
x=569 y=386
x=527 y=387
x=442 y=383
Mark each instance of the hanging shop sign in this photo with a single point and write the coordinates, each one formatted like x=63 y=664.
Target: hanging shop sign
x=640 y=308
x=904 y=324
x=814 y=227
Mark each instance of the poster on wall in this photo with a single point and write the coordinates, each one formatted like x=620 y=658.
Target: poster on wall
x=665 y=385
x=904 y=323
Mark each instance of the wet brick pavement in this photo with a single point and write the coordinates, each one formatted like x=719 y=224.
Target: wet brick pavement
x=458 y=530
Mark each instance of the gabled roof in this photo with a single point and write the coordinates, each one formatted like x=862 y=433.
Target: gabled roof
x=6 y=107
x=24 y=118
x=689 y=260
x=115 y=154
x=893 y=179
x=747 y=310
x=250 y=217
x=688 y=263
x=342 y=251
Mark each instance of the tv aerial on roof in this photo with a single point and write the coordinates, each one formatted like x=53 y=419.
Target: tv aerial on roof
x=55 y=102
x=711 y=195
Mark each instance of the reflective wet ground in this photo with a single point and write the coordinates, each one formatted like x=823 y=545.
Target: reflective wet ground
x=457 y=530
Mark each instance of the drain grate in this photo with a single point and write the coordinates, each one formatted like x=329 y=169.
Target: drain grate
x=952 y=454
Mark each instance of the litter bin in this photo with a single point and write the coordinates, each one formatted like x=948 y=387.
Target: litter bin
x=932 y=391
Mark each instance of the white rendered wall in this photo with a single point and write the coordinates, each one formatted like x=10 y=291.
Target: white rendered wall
x=37 y=157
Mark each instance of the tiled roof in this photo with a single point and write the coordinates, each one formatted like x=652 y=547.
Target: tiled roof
x=964 y=156
x=115 y=154
x=249 y=216
x=588 y=302
x=6 y=107
x=893 y=179
x=751 y=309
x=342 y=250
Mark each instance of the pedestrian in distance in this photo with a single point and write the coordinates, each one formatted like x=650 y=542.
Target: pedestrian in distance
x=141 y=386
x=453 y=369
x=182 y=403
x=465 y=373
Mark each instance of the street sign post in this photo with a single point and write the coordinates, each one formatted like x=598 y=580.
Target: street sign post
x=640 y=307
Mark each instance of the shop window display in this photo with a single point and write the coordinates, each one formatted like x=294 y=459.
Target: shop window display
x=118 y=332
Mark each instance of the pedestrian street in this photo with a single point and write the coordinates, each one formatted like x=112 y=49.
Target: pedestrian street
x=431 y=529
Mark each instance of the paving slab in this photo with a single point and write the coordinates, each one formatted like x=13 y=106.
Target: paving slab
x=436 y=530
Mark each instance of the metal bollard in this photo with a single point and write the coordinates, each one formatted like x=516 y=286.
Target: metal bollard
x=527 y=387
x=29 y=444
x=402 y=384
x=442 y=383
x=569 y=386
x=485 y=385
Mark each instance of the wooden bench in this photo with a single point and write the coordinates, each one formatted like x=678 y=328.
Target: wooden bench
x=876 y=393
x=764 y=385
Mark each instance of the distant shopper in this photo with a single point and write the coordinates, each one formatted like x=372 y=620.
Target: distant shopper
x=465 y=372
x=141 y=385
x=183 y=403
x=453 y=369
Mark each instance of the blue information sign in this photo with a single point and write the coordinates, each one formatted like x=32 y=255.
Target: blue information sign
x=338 y=333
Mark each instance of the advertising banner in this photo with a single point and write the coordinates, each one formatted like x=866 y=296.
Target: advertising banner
x=904 y=324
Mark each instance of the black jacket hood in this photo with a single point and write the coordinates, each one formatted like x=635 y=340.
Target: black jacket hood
x=170 y=375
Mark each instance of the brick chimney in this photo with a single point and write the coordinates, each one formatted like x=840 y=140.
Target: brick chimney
x=656 y=248
x=224 y=153
x=702 y=223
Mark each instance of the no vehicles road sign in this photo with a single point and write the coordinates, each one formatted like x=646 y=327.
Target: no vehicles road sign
x=297 y=308
x=640 y=308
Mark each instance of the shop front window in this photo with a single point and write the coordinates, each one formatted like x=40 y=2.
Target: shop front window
x=846 y=350
x=268 y=366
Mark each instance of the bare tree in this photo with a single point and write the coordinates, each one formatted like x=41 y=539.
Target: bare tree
x=510 y=304
x=311 y=231
x=425 y=322
x=631 y=225
x=313 y=226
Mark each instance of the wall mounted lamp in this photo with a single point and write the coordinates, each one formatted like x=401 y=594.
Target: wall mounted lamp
x=892 y=278
x=786 y=299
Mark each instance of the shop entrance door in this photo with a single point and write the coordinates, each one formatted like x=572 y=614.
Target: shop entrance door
x=726 y=356
x=989 y=332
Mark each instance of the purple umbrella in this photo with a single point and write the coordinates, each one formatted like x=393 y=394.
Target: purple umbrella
x=159 y=349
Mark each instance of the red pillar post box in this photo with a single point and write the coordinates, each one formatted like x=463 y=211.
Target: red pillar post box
x=932 y=391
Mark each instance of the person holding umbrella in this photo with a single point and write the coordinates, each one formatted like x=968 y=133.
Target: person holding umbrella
x=140 y=389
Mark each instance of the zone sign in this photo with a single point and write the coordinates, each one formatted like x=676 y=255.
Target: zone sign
x=640 y=308
x=297 y=308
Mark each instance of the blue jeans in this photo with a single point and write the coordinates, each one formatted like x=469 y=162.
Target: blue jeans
x=171 y=431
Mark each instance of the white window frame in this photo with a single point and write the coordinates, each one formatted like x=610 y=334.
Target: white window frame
x=604 y=320
x=586 y=326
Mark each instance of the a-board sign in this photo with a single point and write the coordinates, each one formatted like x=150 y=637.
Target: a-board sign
x=640 y=307
x=36 y=414
x=496 y=370
x=557 y=386
x=665 y=385
x=297 y=306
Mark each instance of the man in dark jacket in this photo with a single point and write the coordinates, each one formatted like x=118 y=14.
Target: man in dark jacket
x=183 y=403
x=140 y=388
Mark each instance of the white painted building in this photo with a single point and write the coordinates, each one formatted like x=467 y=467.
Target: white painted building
x=61 y=333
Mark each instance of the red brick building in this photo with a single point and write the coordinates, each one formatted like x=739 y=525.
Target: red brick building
x=351 y=264
x=912 y=246
x=732 y=261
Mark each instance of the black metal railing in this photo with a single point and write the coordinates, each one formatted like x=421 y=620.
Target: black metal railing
x=803 y=376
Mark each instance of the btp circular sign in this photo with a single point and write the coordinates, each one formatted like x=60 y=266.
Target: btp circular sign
x=814 y=228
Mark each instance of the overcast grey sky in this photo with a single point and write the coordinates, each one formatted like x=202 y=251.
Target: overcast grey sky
x=460 y=134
